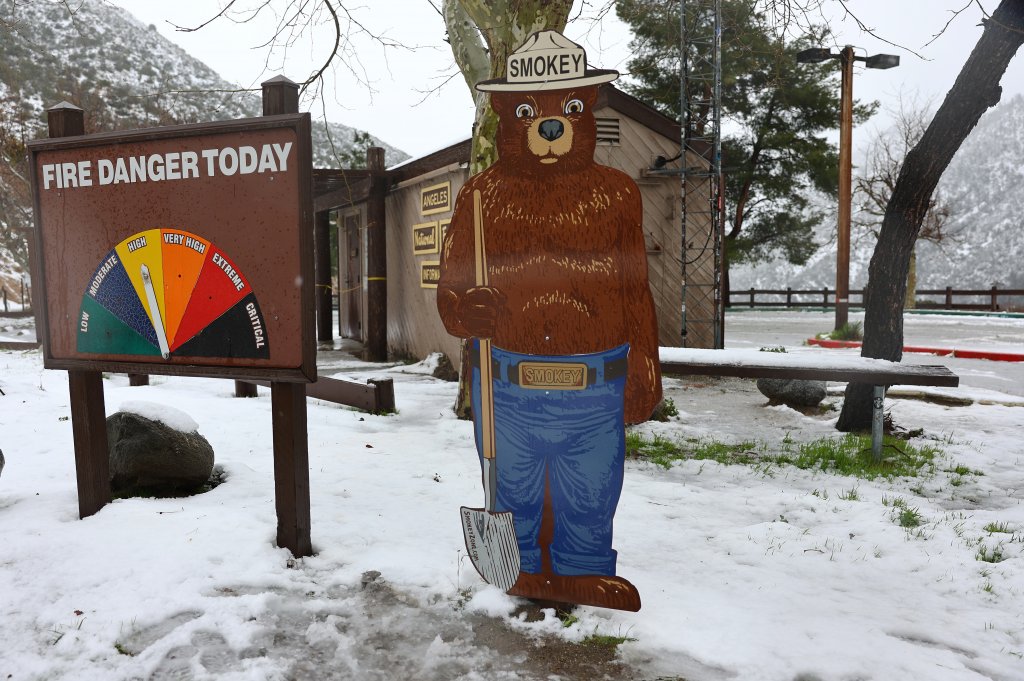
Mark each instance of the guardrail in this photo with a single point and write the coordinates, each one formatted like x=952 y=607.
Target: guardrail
x=990 y=299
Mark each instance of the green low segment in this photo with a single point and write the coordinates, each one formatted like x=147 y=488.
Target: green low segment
x=100 y=332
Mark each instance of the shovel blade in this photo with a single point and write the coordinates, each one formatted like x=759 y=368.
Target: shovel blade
x=491 y=544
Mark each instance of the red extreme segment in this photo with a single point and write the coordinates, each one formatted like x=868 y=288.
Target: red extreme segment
x=219 y=287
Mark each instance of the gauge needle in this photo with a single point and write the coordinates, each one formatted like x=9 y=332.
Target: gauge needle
x=154 y=309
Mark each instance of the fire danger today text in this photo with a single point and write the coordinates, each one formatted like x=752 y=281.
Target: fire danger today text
x=168 y=166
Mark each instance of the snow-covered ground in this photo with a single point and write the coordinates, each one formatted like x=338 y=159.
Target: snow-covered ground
x=745 y=572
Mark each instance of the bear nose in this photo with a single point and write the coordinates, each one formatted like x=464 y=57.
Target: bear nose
x=551 y=129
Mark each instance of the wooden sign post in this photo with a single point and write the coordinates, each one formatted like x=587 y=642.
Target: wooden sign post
x=187 y=251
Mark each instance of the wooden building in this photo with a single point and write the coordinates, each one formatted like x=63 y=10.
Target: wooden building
x=390 y=225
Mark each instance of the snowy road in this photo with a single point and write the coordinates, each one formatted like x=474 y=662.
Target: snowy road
x=969 y=332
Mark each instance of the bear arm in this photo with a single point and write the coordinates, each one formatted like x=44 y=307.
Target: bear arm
x=457 y=265
x=643 y=382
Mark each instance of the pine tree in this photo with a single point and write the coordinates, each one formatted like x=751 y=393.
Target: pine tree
x=774 y=112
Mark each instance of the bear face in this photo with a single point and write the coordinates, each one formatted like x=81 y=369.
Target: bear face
x=546 y=132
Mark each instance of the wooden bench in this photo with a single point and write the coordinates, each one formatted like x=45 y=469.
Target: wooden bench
x=812 y=366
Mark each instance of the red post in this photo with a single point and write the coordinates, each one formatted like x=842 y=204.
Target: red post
x=88 y=410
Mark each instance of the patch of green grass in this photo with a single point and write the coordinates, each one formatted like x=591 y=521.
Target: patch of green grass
x=850 y=331
x=1003 y=528
x=849 y=454
x=740 y=452
x=121 y=649
x=909 y=518
x=665 y=410
x=902 y=513
x=990 y=555
x=605 y=640
x=850 y=495
x=568 y=619
x=773 y=348
x=659 y=450
x=962 y=470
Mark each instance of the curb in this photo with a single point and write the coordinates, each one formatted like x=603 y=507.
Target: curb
x=991 y=355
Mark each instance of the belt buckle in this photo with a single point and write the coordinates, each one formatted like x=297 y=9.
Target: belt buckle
x=553 y=375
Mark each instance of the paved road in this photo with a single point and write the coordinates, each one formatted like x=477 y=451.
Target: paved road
x=969 y=332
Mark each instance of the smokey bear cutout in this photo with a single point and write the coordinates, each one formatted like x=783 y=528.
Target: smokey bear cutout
x=546 y=272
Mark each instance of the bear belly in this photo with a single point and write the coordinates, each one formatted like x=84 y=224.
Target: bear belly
x=548 y=313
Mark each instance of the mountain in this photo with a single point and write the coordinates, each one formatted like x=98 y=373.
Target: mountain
x=982 y=186
x=124 y=74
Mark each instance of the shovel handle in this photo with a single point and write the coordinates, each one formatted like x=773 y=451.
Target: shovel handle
x=486 y=384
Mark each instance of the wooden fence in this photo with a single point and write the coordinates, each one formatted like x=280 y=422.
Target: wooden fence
x=24 y=300
x=992 y=299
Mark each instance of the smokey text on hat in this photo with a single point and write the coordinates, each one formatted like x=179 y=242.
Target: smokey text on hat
x=553 y=66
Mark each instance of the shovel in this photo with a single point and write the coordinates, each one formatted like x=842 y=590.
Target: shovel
x=490 y=536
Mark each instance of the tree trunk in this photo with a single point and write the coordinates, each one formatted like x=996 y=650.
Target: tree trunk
x=975 y=90
x=910 y=300
x=482 y=34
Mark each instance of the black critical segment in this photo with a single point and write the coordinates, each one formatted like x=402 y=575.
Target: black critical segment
x=238 y=333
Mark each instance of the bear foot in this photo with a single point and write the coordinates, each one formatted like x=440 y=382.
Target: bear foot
x=603 y=591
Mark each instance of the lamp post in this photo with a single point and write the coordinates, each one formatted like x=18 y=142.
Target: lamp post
x=846 y=57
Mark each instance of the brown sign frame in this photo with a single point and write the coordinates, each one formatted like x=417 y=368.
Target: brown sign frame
x=301 y=368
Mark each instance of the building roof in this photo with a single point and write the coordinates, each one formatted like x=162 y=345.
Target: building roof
x=338 y=188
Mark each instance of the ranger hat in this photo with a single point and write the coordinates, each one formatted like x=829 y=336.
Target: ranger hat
x=547 y=61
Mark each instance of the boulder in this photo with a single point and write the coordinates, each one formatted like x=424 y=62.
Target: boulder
x=149 y=457
x=793 y=392
x=445 y=370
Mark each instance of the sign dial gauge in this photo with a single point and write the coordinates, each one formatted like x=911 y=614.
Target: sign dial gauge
x=167 y=293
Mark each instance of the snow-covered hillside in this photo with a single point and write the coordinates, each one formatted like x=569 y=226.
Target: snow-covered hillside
x=124 y=73
x=982 y=187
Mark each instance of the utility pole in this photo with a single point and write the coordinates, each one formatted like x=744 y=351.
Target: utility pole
x=845 y=188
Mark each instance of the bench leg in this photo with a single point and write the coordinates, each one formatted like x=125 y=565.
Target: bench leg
x=877 y=419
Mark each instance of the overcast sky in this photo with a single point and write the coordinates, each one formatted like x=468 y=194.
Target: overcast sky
x=406 y=98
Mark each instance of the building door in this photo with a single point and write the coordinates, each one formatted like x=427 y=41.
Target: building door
x=350 y=313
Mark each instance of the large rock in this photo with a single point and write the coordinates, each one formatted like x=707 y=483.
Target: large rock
x=149 y=457
x=793 y=392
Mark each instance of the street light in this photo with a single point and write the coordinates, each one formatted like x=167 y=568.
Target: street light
x=846 y=57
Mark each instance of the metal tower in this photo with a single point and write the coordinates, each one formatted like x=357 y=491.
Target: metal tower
x=702 y=183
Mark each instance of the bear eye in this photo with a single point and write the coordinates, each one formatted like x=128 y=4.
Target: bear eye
x=524 y=111
x=574 y=106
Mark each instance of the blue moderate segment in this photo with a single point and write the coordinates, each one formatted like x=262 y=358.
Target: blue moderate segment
x=116 y=293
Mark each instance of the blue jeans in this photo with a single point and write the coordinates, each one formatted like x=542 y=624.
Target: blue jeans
x=574 y=440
